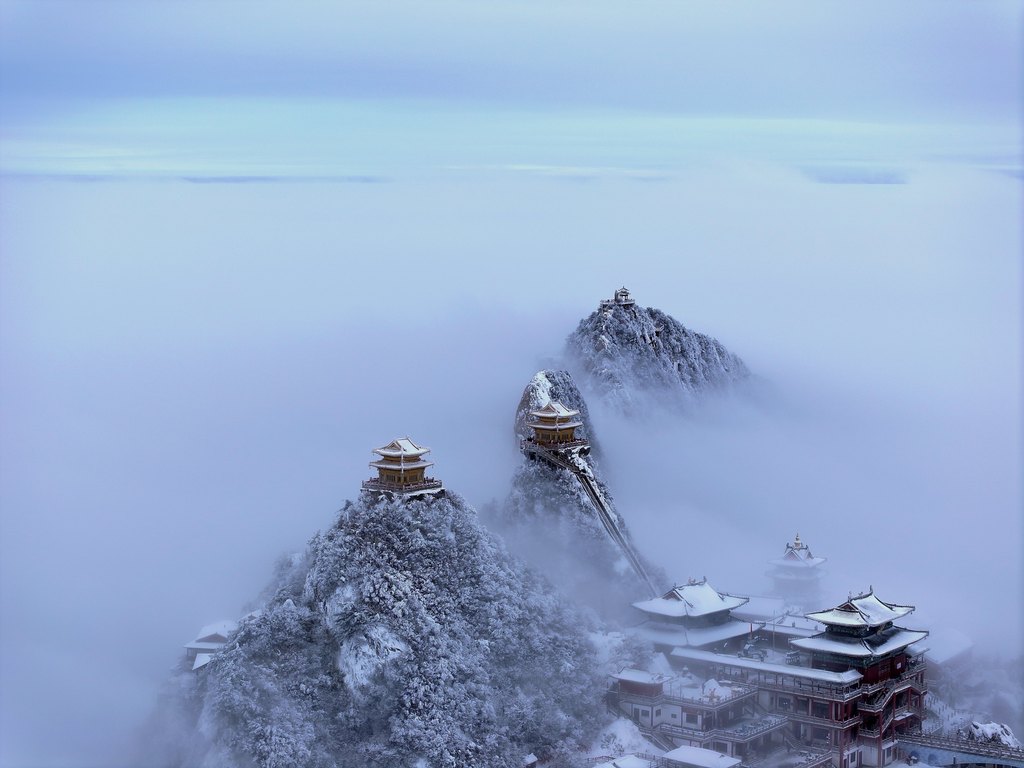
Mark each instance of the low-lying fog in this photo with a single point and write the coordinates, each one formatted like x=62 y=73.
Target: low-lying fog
x=193 y=376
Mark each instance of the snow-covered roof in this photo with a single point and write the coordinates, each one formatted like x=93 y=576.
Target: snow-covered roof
x=862 y=611
x=640 y=676
x=678 y=635
x=696 y=598
x=760 y=608
x=794 y=624
x=219 y=629
x=401 y=447
x=848 y=677
x=389 y=463
x=861 y=647
x=202 y=659
x=700 y=758
x=560 y=426
x=797 y=555
x=554 y=410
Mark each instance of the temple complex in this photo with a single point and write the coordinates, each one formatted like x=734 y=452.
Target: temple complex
x=554 y=426
x=401 y=469
x=853 y=688
x=796 y=576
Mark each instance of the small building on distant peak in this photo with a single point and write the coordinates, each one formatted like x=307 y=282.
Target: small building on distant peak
x=401 y=469
x=620 y=299
x=554 y=426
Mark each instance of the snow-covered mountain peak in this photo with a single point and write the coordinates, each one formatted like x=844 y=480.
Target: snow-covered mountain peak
x=628 y=354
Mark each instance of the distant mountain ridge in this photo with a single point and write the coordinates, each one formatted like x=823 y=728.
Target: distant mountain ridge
x=628 y=355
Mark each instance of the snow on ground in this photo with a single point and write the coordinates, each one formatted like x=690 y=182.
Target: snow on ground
x=996 y=732
x=620 y=738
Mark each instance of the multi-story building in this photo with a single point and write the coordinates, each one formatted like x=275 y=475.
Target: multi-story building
x=851 y=689
x=401 y=470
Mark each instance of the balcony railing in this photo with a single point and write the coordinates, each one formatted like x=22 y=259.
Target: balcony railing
x=531 y=444
x=739 y=693
x=882 y=693
x=907 y=678
x=429 y=484
x=962 y=745
x=820 y=690
x=824 y=721
x=739 y=733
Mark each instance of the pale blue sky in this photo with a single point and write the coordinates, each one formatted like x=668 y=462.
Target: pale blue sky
x=357 y=88
x=193 y=374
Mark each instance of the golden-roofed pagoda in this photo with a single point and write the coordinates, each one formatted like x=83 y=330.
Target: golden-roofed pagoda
x=554 y=426
x=401 y=469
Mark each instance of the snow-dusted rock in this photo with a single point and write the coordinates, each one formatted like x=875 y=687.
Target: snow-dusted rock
x=553 y=385
x=549 y=520
x=993 y=732
x=406 y=636
x=632 y=355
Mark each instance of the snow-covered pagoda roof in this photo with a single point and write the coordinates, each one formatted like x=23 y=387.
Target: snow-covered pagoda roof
x=878 y=645
x=201 y=660
x=695 y=598
x=797 y=555
x=554 y=410
x=693 y=637
x=862 y=611
x=401 y=448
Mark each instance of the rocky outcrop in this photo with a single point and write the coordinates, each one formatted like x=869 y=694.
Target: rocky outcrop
x=549 y=519
x=631 y=356
x=405 y=636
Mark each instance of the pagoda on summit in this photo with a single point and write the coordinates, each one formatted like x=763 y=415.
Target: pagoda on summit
x=554 y=426
x=621 y=299
x=401 y=469
x=797 y=574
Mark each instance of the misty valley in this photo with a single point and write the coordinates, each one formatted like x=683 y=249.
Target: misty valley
x=419 y=631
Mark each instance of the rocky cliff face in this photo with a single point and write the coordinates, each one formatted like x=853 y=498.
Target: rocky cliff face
x=631 y=356
x=550 y=521
x=405 y=636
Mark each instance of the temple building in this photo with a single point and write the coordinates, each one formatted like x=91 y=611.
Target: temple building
x=851 y=687
x=796 y=576
x=621 y=299
x=211 y=639
x=694 y=615
x=861 y=635
x=720 y=722
x=554 y=426
x=401 y=469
